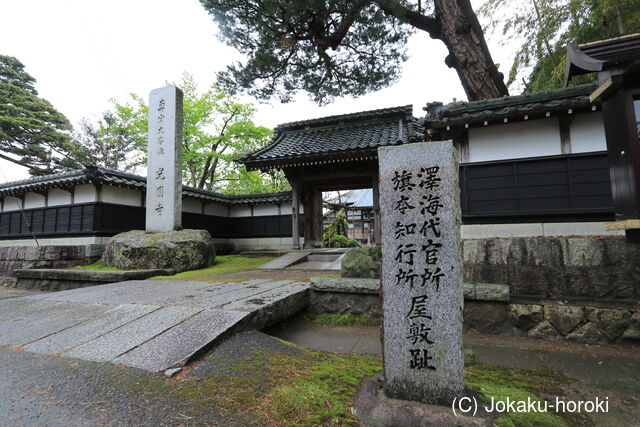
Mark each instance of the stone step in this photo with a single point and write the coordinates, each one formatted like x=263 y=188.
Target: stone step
x=323 y=257
x=285 y=260
x=152 y=325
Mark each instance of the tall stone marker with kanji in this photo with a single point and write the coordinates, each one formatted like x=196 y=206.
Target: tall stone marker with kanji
x=421 y=272
x=164 y=167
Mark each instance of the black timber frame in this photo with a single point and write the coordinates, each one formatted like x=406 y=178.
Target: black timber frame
x=564 y=188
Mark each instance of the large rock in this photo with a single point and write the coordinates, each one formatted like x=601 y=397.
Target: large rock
x=632 y=334
x=564 y=318
x=525 y=316
x=544 y=330
x=180 y=250
x=362 y=263
x=588 y=334
x=612 y=322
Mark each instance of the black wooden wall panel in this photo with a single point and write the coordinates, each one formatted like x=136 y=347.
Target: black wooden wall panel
x=560 y=188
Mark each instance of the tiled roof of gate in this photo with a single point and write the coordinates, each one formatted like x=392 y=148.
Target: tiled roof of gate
x=92 y=174
x=460 y=113
x=335 y=136
x=603 y=54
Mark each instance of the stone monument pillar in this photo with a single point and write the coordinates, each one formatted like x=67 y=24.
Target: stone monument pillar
x=421 y=272
x=164 y=164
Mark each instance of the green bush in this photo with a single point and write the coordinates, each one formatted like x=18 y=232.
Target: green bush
x=353 y=243
x=338 y=241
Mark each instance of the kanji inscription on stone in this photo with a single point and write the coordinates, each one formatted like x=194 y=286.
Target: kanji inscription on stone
x=421 y=272
x=164 y=165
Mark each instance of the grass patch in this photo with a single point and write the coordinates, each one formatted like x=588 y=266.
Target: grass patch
x=224 y=264
x=302 y=387
x=342 y=319
x=520 y=384
x=98 y=265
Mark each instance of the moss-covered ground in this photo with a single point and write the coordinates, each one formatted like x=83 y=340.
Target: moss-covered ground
x=98 y=265
x=224 y=264
x=500 y=384
x=342 y=319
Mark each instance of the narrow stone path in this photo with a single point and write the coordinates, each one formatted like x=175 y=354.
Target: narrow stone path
x=151 y=325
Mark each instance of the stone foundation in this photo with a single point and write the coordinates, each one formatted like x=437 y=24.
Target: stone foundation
x=22 y=257
x=489 y=309
x=576 y=267
x=553 y=321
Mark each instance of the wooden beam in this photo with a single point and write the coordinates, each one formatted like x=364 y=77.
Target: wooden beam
x=564 y=124
x=295 y=205
x=377 y=234
x=629 y=224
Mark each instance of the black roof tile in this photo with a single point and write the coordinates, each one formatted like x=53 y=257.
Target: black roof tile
x=461 y=112
x=123 y=179
x=336 y=135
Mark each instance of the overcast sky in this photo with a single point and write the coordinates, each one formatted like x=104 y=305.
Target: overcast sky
x=84 y=52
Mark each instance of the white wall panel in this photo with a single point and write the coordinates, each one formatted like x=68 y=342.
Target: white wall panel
x=587 y=133
x=33 y=200
x=84 y=193
x=515 y=140
x=58 y=197
x=121 y=196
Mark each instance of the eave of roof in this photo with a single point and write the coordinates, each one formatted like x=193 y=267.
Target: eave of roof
x=99 y=175
x=334 y=139
x=456 y=114
x=598 y=55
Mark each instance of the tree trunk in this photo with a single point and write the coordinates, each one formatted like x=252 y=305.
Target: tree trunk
x=468 y=51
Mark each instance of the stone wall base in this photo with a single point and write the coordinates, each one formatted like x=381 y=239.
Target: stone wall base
x=586 y=323
x=14 y=258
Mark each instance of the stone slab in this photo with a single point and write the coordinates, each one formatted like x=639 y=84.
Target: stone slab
x=272 y=306
x=32 y=312
x=130 y=292
x=89 y=275
x=164 y=164
x=345 y=284
x=87 y=331
x=373 y=408
x=112 y=344
x=285 y=260
x=34 y=330
x=421 y=272
x=176 y=346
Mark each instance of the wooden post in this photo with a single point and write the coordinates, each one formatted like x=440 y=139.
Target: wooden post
x=295 y=206
x=316 y=219
x=377 y=233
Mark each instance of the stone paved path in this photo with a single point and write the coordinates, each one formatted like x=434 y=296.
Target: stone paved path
x=152 y=325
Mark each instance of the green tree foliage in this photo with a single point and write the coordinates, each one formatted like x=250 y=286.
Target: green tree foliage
x=217 y=130
x=33 y=133
x=332 y=48
x=117 y=140
x=546 y=27
x=338 y=227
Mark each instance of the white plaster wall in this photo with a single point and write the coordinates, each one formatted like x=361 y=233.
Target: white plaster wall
x=58 y=197
x=191 y=205
x=537 y=229
x=84 y=193
x=216 y=209
x=285 y=208
x=120 y=196
x=33 y=200
x=515 y=140
x=59 y=241
x=264 y=210
x=587 y=133
x=11 y=204
x=240 y=211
